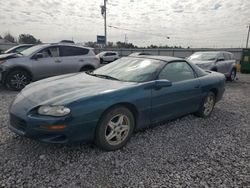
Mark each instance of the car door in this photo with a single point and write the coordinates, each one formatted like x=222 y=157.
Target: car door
x=229 y=62
x=113 y=56
x=108 y=57
x=221 y=63
x=46 y=62
x=183 y=97
x=73 y=58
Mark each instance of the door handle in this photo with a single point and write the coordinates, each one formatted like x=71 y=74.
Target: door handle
x=81 y=60
x=197 y=86
x=58 y=61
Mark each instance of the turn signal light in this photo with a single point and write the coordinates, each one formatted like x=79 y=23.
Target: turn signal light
x=53 y=127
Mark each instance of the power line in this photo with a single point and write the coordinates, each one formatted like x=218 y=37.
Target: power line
x=146 y=33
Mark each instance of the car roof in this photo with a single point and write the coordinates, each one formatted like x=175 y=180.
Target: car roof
x=64 y=44
x=108 y=52
x=24 y=45
x=162 y=58
x=213 y=52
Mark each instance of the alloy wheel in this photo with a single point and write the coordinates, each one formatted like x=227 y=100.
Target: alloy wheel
x=208 y=105
x=232 y=75
x=117 y=129
x=18 y=81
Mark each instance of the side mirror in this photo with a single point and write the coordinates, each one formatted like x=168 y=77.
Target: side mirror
x=162 y=83
x=220 y=59
x=38 y=55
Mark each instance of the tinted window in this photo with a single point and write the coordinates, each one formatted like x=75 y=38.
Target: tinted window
x=204 y=56
x=73 y=51
x=232 y=56
x=110 y=54
x=177 y=71
x=22 y=48
x=221 y=56
x=50 y=52
x=227 y=56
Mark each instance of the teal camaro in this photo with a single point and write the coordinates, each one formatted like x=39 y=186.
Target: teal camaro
x=107 y=105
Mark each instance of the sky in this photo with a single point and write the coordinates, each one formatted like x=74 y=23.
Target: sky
x=193 y=23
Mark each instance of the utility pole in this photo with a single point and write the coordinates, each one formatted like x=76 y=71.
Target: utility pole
x=126 y=39
x=104 y=14
x=248 y=35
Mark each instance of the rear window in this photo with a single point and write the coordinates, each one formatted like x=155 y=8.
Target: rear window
x=73 y=51
x=232 y=56
x=110 y=54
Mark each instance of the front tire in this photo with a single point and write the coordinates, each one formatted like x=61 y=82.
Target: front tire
x=115 y=128
x=16 y=80
x=207 y=105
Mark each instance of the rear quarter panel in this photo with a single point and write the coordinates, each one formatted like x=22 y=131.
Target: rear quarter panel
x=213 y=81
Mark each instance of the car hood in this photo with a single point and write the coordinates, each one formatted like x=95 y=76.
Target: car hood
x=64 y=89
x=201 y=62
x=8 y=56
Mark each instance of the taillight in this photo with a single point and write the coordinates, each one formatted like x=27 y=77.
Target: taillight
x=1 y=61
x=98 y=58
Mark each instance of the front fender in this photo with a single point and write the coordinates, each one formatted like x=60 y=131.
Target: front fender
x=8 y=69
x=91 y=109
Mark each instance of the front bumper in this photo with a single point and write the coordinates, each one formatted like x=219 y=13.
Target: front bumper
x=31 y=128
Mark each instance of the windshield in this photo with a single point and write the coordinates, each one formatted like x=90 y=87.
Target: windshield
x=9 y=50
x=204 y=56
x=129 y=69
x=31 y=50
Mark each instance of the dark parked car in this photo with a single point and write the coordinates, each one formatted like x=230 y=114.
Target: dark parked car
x=110 y=103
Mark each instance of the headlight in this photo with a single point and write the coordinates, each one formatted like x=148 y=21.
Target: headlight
x=53 y=111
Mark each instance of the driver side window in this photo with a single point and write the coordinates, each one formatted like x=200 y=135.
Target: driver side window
x=50 y=52
x=176 y=72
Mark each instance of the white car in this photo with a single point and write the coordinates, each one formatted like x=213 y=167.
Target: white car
x=108 y=56
x=45 y=60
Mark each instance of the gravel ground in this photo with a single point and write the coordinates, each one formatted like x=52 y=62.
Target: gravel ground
x=187 y=152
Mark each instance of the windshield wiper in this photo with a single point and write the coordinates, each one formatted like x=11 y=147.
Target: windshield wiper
x=102 y=76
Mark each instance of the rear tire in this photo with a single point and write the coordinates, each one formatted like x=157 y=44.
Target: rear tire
x=232 y=75
x=207 y=105
x=16 y=80
x=115 y=128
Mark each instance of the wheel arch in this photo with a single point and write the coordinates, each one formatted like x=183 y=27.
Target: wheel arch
x=131 y=107
x=215 y=91
x=16 y=68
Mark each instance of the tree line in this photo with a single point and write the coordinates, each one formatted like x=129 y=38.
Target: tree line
x=22 y=39
x=120 y=44
x=30 y=39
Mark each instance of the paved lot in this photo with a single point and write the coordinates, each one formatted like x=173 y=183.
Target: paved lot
x=187 y=152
